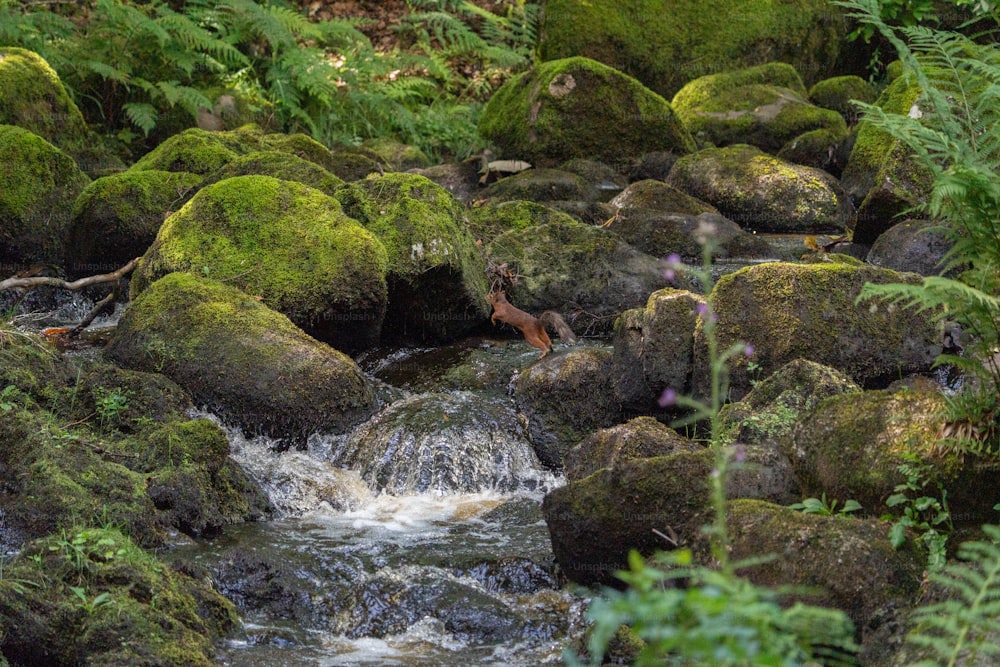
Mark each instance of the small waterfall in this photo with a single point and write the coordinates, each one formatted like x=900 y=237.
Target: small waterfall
x=445 y=443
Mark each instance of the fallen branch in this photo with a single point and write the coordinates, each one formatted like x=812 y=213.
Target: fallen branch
x=47 y=281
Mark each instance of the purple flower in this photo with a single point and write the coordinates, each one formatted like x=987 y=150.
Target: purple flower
x=673 y=259
x=702 y=309
x=740 y=453
x=749 y=350
x=668 y=397
x=669 y=274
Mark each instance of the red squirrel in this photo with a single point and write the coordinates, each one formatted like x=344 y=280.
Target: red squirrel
x=532 y=327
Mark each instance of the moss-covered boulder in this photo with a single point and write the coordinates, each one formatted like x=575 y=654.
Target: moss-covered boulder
x=851 y=446
x=286 y=243
x=605 y=179
x=662 y=234
x=239 y=357
x=564 y=398
x=116 y=217
x=764 y=106
x=791 y=311
x=838 y=93
x=488 y=221
x=762 y=192
x=298 y=144
x=912 y=245
x=397 y=155
x=461 y=179
x=33 y=97
x=286 y=166
x=541 y=185
x=91 y=597
x=882 y=173
x=839 y=562
x=667 y=44
x=659 y=196
x=576 y=269
x=436 y=278
x=40 y=184
x=353 y=166
x=654 y=348
x=193 y=151
x=823 y=149
x=769 y=412
x=579 y=108
x=639 y=438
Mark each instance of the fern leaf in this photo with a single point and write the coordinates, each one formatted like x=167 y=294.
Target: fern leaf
x=142 y=115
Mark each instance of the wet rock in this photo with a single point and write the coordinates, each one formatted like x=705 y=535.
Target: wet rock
x=667 y=44
x=662 y=234
x=116 y=218
x=564 y=398
x=764 y=106
x=298 y=253
x=603 y=178
x=441 y=443
x=36 y=202
x=654 y=348
x=170 y=619
x=579 y=108
x=792 y=311
x=639 y=438
x=588 y=274
x=919 y=246
x=437 y=286
x=762 y=192
x=237 y=356
x=461 y=179
x=541 y=185
x=659 y=196
x=822 y=149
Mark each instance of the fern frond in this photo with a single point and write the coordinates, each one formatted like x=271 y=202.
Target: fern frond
x=141 y=115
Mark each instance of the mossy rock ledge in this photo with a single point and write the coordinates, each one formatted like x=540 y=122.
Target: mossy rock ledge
x=665 y=44
x=33 y=97
x=764 y=106
x=436 y=279
x=235 y=355
x=116 y=218
x=143 y=613
x=286 y=243
x=762 y=192
x=588 y=274
x=579 y=108
x=40 y=184
x=639 y=438
x=807 y=311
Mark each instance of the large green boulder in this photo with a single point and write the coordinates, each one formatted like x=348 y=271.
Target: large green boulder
x=235 y=355
x=862 y=446
x=89 y=596
x=40 y=184
x=286 y=243
x=789 y=311
x=116 y=218
x=667 y=44
x=33 y=97
x=764 y=106
x=579 y=270
x=437 y=285
x=882 y=174
x=286 y=166
x=639 y=438
x=839 y=93
x=762 y=192
x=579 y=108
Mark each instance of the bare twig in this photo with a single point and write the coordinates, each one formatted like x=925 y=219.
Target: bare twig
x=47 y=281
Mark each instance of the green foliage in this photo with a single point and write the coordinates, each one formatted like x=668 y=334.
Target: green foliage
x=826 y=508
x=110 y=404
x=928 y=515
x=957 y=138
x=963 y=627
x=689 y=615
x=133 y=67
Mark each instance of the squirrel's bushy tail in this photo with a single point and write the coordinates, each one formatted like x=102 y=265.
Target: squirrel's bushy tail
x=555 y=320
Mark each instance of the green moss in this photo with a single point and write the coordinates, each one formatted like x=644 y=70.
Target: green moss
x=398 y=156
x=488 y=221
x=284 y=242
x=130 y=608
x=577 y=107
x=286 y=166
x=40 y=184
x=837 y=93
x=297 y=144
x=667 y=44
x=116 y=218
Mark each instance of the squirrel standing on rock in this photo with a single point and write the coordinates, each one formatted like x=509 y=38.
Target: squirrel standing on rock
x=532 y=327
